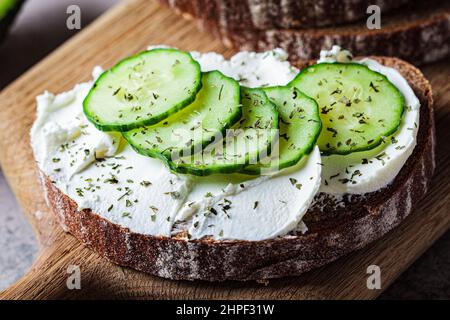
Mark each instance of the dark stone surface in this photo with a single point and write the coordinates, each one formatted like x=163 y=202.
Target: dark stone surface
x=39 y=29
x=17 y=242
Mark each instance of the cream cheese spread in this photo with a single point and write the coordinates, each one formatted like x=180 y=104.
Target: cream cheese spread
x=101 y=172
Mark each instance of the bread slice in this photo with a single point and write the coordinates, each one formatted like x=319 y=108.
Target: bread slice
x=269 y=14
x=418 y=33
x=333 y=231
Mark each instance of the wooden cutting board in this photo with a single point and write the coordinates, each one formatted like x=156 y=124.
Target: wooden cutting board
x=124 y=30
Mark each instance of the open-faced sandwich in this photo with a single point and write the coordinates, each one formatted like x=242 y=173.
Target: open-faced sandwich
x=191 y=166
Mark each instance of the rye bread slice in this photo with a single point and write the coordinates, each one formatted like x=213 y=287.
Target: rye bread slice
x=334 y=230
x=279 y=14
x=418 y=33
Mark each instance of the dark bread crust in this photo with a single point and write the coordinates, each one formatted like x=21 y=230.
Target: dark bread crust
x=278 y=14
x=330 y=235
x=419 y=34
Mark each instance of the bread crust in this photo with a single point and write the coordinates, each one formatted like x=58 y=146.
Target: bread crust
x=329 y=237
x=279 y=14
x=418 y=34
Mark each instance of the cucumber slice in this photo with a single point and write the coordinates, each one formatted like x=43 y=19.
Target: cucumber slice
x=143 y=90
x=358 y=107
x=247 y=141
x=216 y=108
x=300 y=126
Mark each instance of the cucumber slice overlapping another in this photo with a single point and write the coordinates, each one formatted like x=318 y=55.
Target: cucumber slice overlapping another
x=299 y=128
x=247 y=142
x=359 y=107
x=143 y=89
x=216 y=108
x=206 y=123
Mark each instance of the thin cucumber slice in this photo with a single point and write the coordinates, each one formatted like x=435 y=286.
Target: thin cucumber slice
x=143 y=90
x=216 y=108
x=358 y=107
x=245 y=143
x=300 y=127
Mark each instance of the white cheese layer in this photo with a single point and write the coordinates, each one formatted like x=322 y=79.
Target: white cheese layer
x=263 y=208
x=126 y=188
x=251 y=69
x=100 y=171
x=369 y=171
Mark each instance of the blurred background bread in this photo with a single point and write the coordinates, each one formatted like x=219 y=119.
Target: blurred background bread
x=415 y=30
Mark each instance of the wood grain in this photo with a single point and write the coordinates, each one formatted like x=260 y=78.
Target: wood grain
x=128 y=28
